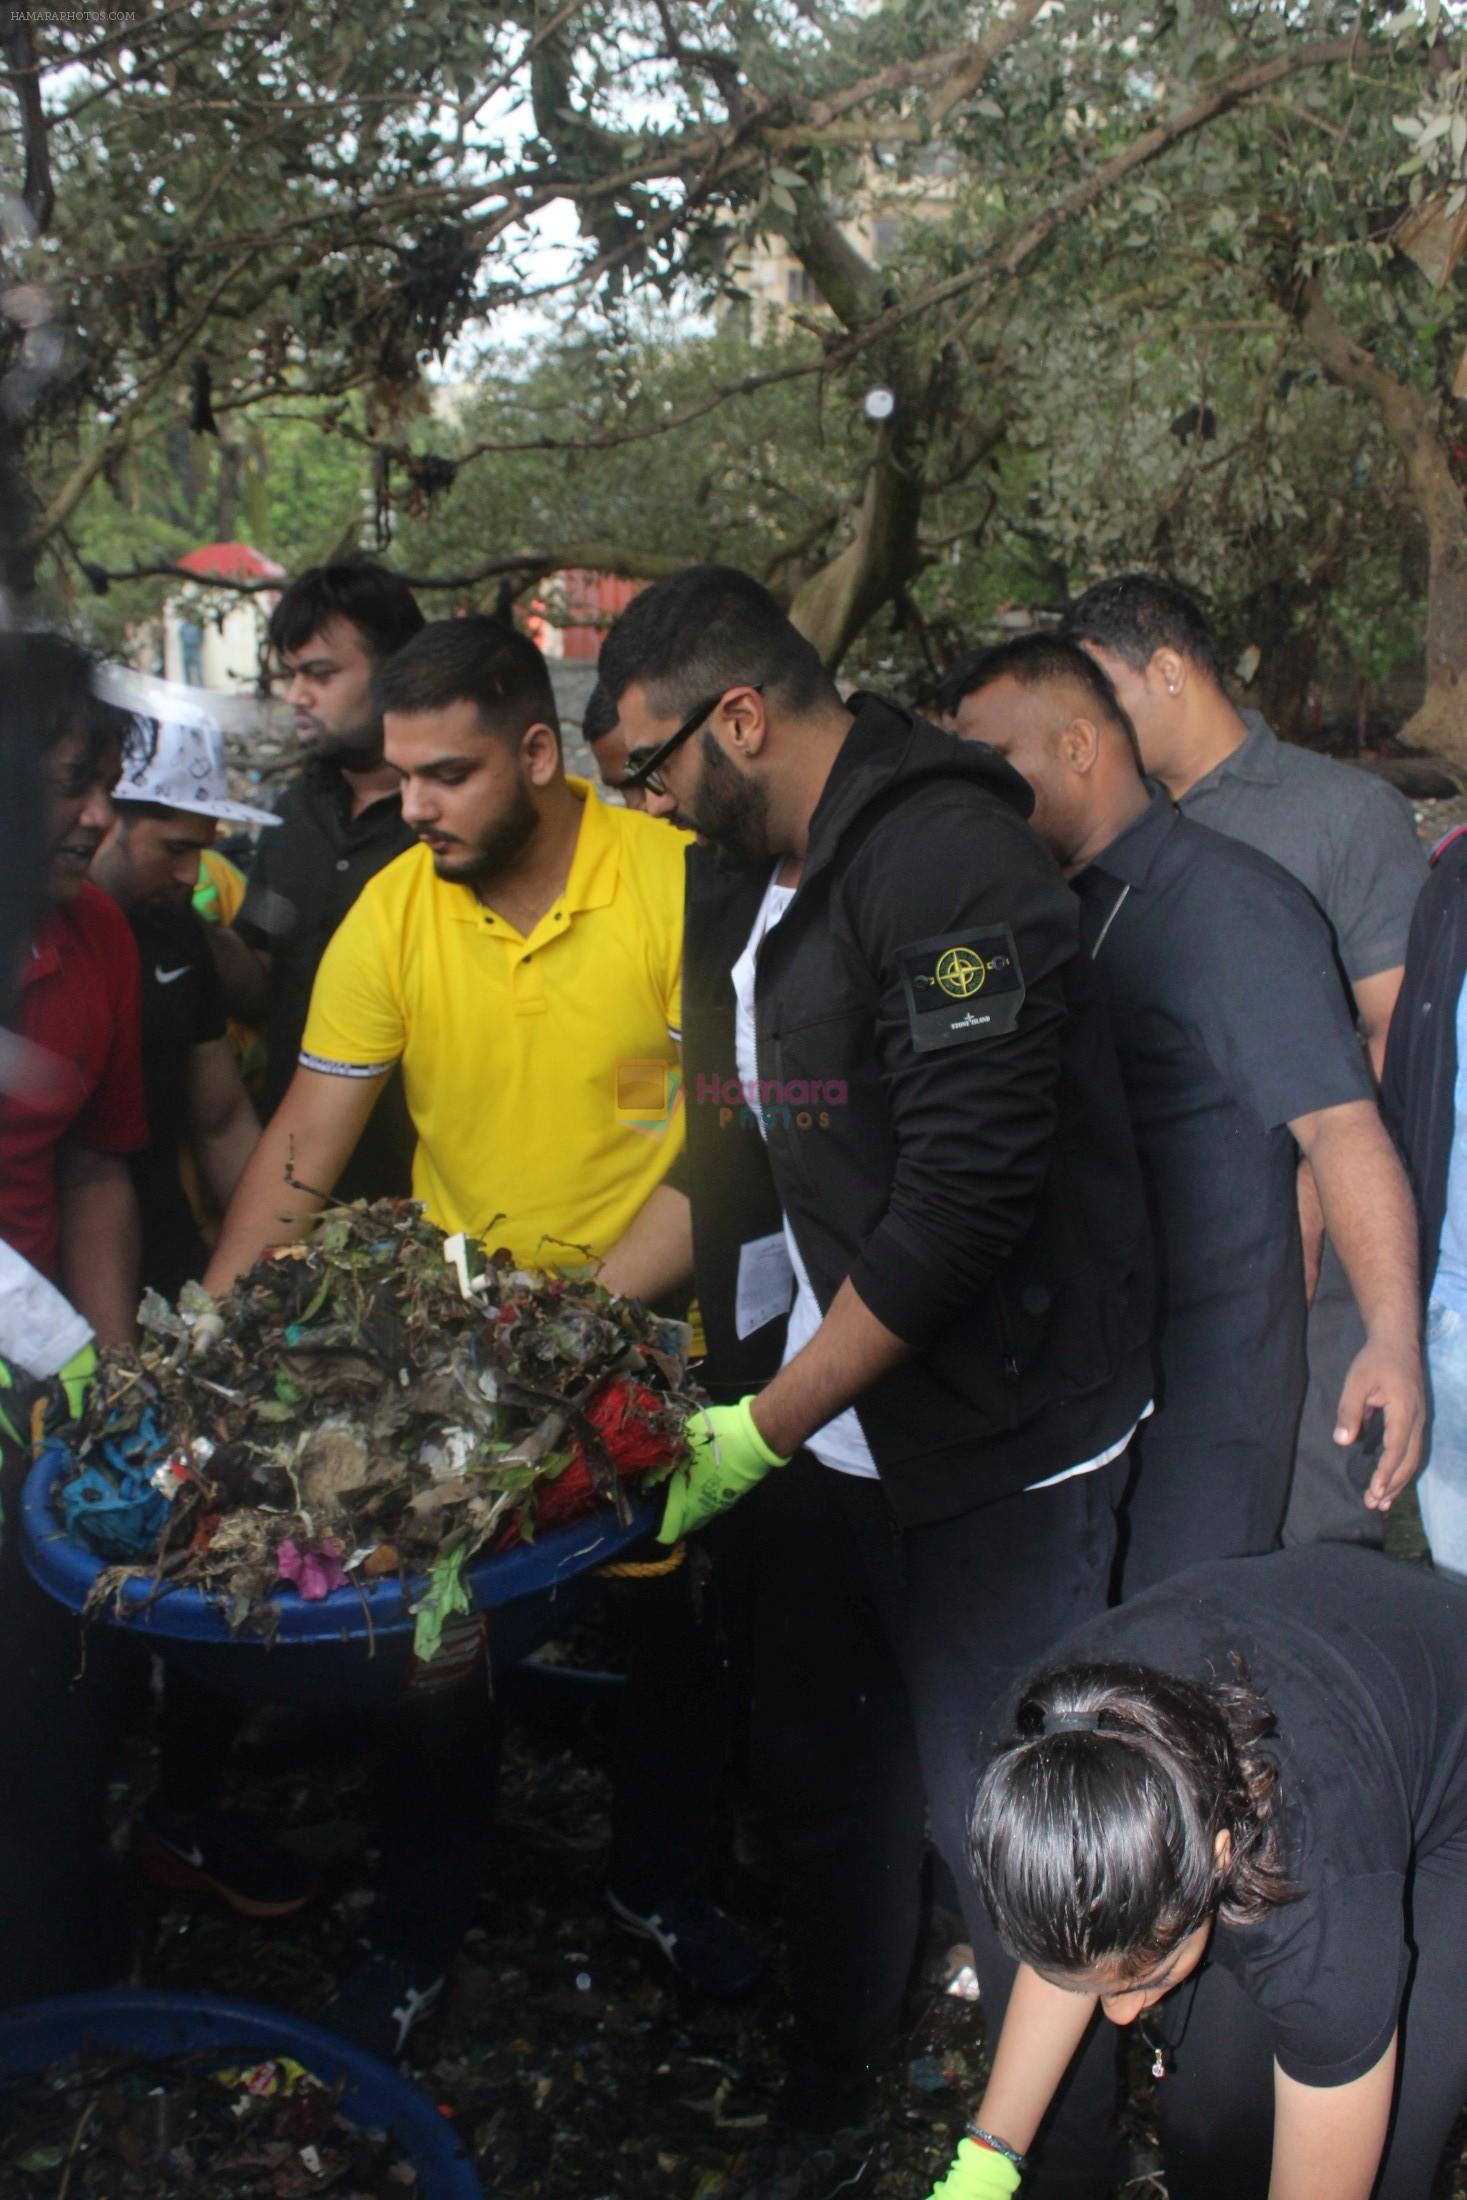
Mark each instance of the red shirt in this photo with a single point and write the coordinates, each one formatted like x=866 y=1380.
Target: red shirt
x=81 y=1069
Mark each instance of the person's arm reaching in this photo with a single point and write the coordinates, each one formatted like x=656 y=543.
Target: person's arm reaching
x=244 y=974
x=1371 y=1222
x=1328 y=2139
x=101 y=1240
x=654 y=1254
x=224 y=1129
x=1043 y=2027
x=307 y=1143
x=849 y=1352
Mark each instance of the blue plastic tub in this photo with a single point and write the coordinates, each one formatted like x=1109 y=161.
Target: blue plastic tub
x=331 y=1648
x=159 y=2025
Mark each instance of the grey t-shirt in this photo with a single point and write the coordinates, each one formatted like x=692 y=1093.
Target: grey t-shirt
x=1348 y=838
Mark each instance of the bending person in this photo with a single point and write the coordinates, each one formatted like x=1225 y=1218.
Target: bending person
x=1236 y=1812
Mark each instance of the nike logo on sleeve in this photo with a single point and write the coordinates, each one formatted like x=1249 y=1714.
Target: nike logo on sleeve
x=166 y=977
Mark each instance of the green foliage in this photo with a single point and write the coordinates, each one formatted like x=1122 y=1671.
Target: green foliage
x=332 y=211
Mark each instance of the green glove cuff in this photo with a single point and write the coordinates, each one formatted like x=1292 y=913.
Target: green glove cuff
x=9 y=1433
x=75 y=1376
x=977 y=2174
x=762 y=1450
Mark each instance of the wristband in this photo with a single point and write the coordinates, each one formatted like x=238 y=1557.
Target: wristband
x=998 y=2146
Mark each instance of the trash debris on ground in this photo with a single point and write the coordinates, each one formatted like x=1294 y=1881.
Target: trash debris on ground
x=111 y=2127
x=360 y=1404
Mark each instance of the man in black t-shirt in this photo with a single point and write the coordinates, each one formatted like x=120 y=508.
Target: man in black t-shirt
x=340 y=824
x=1235 y=1044
x=172 y=795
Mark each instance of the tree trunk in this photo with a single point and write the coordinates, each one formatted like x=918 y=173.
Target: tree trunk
x=831 y=607
x=1413 y=422
x=1441 y=721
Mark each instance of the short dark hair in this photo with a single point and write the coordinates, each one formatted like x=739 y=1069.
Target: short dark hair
x=1136 y=614
x=377 y=603
x=1097 y=1843
x=599 y=716
x=476 y=660
x=1034 y=660
x=705 y=629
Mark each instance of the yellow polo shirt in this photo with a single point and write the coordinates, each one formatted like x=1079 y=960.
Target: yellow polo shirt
x=542 y=1073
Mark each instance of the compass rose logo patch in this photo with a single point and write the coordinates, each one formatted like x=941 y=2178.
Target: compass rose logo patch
x=962 y=987
x=960 y=972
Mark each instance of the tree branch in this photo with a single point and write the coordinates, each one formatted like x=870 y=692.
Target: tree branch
x=19 y=42
x=599 y=557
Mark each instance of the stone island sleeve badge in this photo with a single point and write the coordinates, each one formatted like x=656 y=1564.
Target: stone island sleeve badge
x=964 y=986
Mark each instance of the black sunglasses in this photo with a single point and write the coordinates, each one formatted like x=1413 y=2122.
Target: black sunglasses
x=644 y=765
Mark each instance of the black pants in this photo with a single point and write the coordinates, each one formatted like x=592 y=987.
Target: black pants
x=683 y=1645
x=1327 y=1498
x=1189 y=1499
x=878 y=1657
x=62 y=1920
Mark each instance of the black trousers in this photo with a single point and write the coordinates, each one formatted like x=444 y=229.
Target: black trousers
x=1183 y=1500
x=879 y=1653
x=1327 y=1496
x=684 y=1638
x=62 y=1920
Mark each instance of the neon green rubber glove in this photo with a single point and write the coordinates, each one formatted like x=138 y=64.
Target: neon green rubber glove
x=726 y=1456
x=977 y=2174
x=75 y=1378
x=8 y=1430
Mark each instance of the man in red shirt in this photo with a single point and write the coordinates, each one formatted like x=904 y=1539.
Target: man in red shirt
x=71 y=1088
x=71 y=1108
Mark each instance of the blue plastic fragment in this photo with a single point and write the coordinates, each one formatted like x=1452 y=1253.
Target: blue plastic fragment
x=119 y=1515
x=928 y=2074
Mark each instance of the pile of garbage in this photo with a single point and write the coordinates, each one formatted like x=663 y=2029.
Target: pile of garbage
x=377 y=1399
x=110 y=2126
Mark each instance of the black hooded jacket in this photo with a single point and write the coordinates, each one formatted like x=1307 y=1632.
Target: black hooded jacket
x=966 y=1159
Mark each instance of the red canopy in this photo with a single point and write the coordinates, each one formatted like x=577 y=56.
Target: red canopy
x=231 y=561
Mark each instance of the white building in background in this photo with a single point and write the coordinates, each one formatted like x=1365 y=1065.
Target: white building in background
x=882 y=211
x=211 y=637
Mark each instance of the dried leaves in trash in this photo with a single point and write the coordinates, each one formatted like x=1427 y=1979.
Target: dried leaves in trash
x=110 y=2127
x=348 y=1399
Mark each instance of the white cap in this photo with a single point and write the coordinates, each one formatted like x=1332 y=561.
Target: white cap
x=175 y=754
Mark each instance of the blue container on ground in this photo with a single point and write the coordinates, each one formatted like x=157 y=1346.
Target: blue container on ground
x=353 y=1644
x=159 y=2025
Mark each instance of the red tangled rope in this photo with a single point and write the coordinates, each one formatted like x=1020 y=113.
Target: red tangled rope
x=630 y=1421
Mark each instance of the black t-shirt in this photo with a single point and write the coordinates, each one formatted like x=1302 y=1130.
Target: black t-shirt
x=307 y=872
x=1361 y=1659
x=183 y=1007
x=1230 y=1020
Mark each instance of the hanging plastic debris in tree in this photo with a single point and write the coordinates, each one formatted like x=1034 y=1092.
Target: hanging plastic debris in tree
x=359 y=1404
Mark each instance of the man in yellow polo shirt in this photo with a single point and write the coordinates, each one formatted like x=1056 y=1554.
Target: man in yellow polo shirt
x=523 y=963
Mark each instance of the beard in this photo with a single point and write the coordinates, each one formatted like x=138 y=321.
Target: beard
x=496 y=848
x=728 y=807
x=355 y=749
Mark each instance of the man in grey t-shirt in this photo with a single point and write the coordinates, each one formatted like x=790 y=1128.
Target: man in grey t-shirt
x=1350 y=839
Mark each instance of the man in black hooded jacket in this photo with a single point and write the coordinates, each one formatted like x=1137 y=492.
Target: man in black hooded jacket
x=916 y=1209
